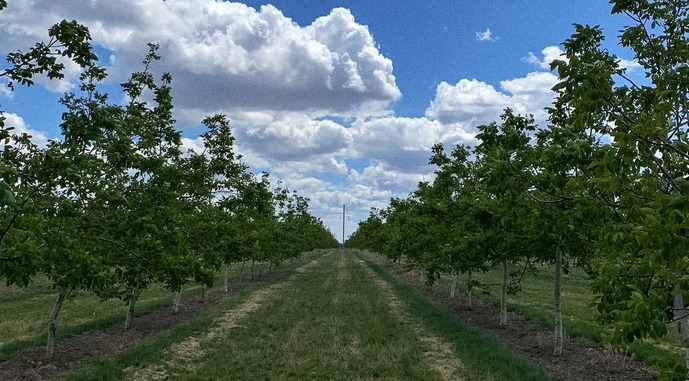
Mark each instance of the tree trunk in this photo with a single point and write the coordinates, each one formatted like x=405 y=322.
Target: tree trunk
x=136 y=291
x=252 y=269
x=681 y=320
x=175 y=301
x=203 y=293
x=559 y=339
x=52 y=321
x=503 y=297
x=226 y=276
x=241 y=270
x=453 y=285
x=470 y=287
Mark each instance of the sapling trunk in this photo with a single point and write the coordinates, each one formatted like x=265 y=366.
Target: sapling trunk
x=226 y=276
x=52 y=321
x=203 y=293
x=453 y=285
x=470 y=286
x=241 y=270
x=680 y=317
x=136 y=291
x=503 y=297
x=559 y=337
x=252 y=269
x=175 y=301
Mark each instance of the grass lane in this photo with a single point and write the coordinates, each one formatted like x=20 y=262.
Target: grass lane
x=337 y=318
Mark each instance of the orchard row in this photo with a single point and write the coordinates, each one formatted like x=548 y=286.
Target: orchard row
x=117 y=204
x=604 y=185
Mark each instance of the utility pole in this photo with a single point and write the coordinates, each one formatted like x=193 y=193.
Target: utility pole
x=343 y=225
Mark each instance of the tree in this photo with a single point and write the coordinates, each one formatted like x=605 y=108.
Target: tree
x=21 y=160
x=502 y=156
x=641 y=272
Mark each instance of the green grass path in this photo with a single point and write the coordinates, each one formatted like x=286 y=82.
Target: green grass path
x=336 y=318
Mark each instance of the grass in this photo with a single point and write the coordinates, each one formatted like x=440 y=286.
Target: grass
x=328 y=321
x=535 y=302
x=485 y=358
x=24 y=312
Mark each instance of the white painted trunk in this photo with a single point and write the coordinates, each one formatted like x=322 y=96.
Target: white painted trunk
x=226 y=276
x=453 y=285
x=503 y=297
x=175 y=302
x=241 y=270
x=136 y=291
x=203 y=293
x=559 y=336
x=52 y=322
x=681 y=320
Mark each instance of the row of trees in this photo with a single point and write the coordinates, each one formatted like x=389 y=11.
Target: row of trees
x=606 y=184
x=116 y=204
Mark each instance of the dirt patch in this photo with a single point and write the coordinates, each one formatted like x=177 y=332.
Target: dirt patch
x=582 y=359
x=32 y=364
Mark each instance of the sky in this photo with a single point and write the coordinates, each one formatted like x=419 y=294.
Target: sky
x=339 y=100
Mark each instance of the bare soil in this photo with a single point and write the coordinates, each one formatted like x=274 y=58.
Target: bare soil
x=582 y=359
x=32 y=364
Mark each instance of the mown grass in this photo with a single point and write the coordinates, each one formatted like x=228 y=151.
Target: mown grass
x=153 y=349
x=24 y=312
x=483 y=357
x=535 y=302
x=330 y=322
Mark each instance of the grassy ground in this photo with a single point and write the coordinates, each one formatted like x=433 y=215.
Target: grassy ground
x=24 y=312
x=337 y=318
x=535 y=302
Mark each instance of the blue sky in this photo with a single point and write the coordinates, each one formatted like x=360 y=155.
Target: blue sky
x=340 y=100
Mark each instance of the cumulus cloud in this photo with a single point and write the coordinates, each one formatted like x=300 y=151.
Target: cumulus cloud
x=486 y=35
x=20 y=127
x=226 y=55
x=404 y=144
x=291 y=136
x=550 y=54
x=629 y=65
x=472 y=102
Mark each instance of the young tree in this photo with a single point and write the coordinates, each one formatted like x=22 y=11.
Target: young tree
x=502 y=156
x=641 y=272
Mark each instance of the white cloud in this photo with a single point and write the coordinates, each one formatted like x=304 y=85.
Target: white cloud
x=486 y=35
x=225 y=55
x=404 y=144
x=629 y=65
x=550 y=54
x=20 y=127
x=469 y=101
x=473 y=103
x=291 y=136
